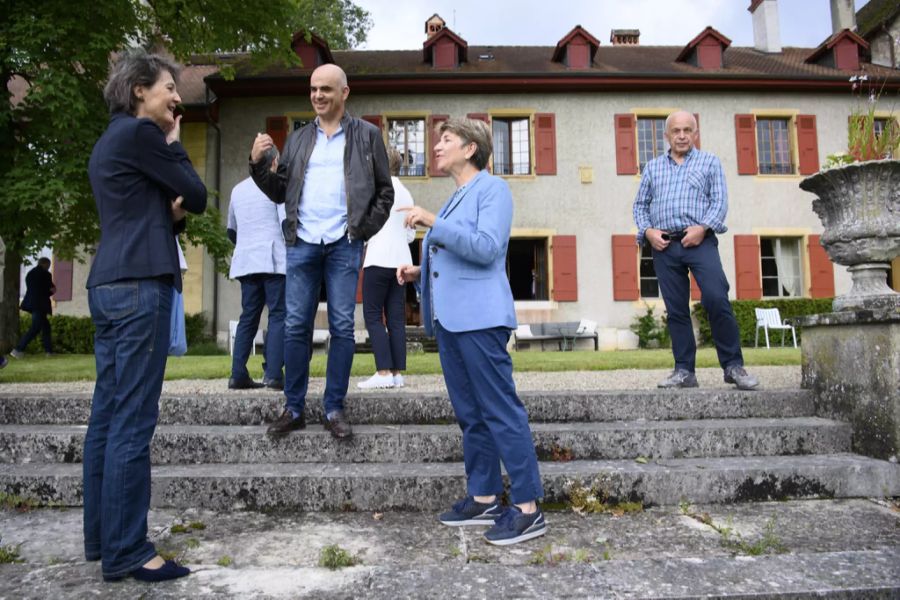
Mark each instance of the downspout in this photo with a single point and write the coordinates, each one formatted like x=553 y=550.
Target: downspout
x=214 y=320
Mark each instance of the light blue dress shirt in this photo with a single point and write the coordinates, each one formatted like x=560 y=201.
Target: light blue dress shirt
x=322 y=211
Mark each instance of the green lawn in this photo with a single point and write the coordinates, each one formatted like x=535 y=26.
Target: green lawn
x=80 y=367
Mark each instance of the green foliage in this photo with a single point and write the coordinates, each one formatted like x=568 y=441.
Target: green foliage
x=651 y=332
x=75 y=335
x=595 y=499
x=225 y=561
x=334 y=557
x=10 y=554
x=18 y=503
x=746 y=316
x=206 y=230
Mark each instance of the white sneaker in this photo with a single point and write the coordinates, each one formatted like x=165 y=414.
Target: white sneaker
x=398 y=380
x=376 y=381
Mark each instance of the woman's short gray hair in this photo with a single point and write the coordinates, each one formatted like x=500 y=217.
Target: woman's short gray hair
x=472 y=131
x=135 y=67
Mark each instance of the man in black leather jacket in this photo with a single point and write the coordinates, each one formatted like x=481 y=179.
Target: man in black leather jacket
x=335 y=183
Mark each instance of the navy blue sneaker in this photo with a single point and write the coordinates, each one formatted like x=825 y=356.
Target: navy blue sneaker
x=514 y=526
x=469 y=512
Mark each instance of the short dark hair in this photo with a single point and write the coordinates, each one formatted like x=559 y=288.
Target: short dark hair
x=44 y=261
x=135 y=67
x=472 y=131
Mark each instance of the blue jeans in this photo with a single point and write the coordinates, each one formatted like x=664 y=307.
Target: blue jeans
x=130 y=346
x=494 y=423
x=672 y=266
x=337 y=264
x=258 y=290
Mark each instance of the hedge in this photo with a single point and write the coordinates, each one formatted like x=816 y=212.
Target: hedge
x=75 y=335
x=746 y=316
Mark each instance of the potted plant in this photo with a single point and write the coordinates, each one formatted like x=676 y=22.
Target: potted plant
x=858 y=202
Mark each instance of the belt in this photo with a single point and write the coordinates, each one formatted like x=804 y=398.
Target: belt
x=677 y=235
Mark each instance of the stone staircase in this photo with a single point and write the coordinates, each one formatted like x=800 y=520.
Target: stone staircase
x=654 y=447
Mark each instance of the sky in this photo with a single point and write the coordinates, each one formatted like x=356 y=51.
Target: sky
x=400 y=24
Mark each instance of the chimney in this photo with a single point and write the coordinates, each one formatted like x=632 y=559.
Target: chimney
x=625 y=37
x=843 y=15
x=766 y=34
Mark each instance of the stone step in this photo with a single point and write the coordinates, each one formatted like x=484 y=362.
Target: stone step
x=195 y=444
x=430 y=486
x=399 y=407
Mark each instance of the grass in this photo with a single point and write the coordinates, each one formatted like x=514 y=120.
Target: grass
x=80 y=367
x=334 y=557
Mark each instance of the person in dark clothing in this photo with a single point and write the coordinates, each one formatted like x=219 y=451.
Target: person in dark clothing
x=38 y=289
x=143 y=184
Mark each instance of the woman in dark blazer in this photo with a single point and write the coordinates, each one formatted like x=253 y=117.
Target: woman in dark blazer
x=467 y=303
x=143 y=183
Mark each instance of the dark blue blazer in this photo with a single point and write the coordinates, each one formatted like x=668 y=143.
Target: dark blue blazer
x=38 y=289
x=135 y=176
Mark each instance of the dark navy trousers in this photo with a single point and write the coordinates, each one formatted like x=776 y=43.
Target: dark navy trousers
x=672 y=266
x=478 y=374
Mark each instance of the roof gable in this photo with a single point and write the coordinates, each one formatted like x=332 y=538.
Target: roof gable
x=705 y=50
x=445 y=50
x=312 y=52
x=576 y=49
x=840 y=50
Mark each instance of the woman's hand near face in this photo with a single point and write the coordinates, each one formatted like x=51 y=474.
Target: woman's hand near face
x=174 y=134
x=408 y=273
x=416 y=215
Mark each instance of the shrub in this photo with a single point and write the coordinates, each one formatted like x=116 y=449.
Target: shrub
x=651 y=332
x=746 y=316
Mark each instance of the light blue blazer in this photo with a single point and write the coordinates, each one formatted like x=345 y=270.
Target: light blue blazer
x=465 y=286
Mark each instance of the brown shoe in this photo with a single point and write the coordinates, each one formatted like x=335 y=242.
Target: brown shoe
x=339 y=426
x=285 y=424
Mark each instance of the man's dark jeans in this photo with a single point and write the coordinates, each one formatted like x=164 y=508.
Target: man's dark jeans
x=258 y=290
x=40 y=323
x=130 y=347
x=672 y=266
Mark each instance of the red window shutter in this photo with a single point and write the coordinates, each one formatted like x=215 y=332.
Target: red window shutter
x=745 y=137
x=807 y=144
x=625 y=268
x=626 y=152
x=62 y=279
x=746 y=267
x=695 y=289
x=545 y=144
x=480 y=117
x=375 y=120
x=565 y=268
x=434 y=124
x=821 y=270
x=697 y=118
x=277 y=128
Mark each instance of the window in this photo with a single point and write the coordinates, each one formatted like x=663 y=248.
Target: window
x=300 y=120
x=648 y=281
x=512 y=146
x=773 y=141
x=526 y=267
x=651 y=141
x=407 y=136
x=780 y=267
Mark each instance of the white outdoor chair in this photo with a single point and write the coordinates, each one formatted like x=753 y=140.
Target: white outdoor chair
x=232 y=331
x=770 y=318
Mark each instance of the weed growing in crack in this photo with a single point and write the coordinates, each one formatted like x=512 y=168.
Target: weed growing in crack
x=334 y=557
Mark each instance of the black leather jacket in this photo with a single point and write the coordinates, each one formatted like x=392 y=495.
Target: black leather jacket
x=367 y=178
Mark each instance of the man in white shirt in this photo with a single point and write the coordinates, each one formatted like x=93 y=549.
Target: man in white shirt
x=258 y=263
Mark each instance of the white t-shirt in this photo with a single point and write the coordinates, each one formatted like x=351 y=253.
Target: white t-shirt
x=390 y=247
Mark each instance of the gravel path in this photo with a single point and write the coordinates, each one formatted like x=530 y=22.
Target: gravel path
x=625 y=379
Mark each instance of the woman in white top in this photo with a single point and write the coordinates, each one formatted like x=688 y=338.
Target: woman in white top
x=382 y=295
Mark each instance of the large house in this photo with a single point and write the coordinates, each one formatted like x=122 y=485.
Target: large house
x=573 y=125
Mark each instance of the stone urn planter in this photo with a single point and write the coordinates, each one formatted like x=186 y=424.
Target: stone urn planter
x=859 y=205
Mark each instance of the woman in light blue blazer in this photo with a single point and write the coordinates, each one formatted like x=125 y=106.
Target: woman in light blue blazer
x=467 y=304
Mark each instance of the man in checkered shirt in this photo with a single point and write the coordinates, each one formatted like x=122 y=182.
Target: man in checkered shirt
x=680 y=206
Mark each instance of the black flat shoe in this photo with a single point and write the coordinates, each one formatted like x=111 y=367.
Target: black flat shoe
x=243 y=384
x=170 y=570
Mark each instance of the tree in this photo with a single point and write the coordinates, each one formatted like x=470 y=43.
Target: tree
x=54 y=60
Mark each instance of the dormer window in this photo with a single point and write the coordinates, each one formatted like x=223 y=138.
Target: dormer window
x=842 y=50
x=313 y=52
x=706 y=50
x=577 y=49
x=445 y=50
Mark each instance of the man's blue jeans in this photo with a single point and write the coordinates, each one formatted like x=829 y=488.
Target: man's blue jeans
x=258 y=290
x=308 y=265
x=130 y=347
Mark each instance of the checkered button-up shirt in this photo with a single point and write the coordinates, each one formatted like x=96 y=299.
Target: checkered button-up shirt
x=672 y=197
